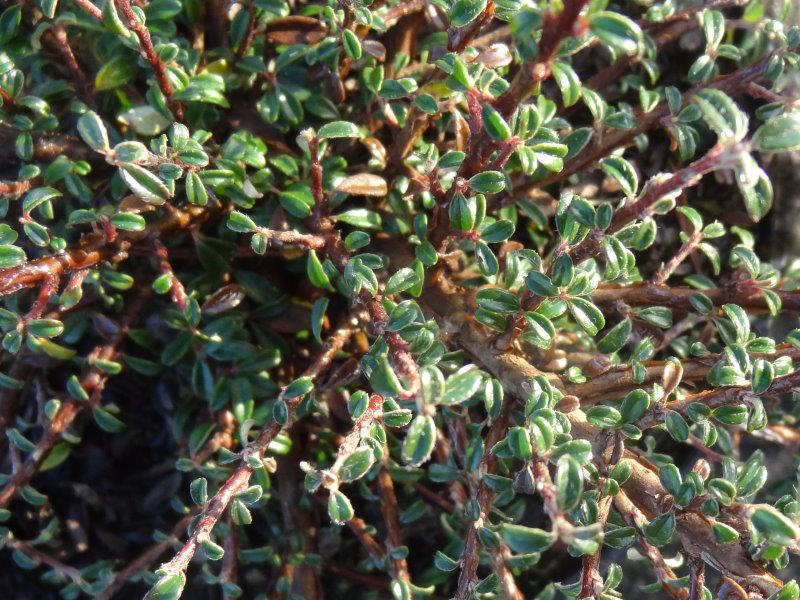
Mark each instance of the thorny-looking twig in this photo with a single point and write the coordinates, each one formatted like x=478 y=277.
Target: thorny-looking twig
x=146 y=558
x=240 y=477
x=159 y=69
x=643 y=487
x=92 y=382
x=634 y=517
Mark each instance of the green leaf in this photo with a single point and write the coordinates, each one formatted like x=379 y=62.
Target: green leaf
x=757 y=197
x=774 y=525
x=488 y=182
x=499 y=231
x=587 y=315
x=93 y=131
x=195 y=190
x=740 y=320
x=45 y=327
x=540 y=284
x=617 y=31
x=360 y=217
x=519 y=442
x=420 y=440
x=526 y=540
x=11 y=256
x=299 y=387
x=462 y=212
x=779 y=134
x=128 y=221
x=494 y=123
x=115 y=72
x=144 y=184
x=790 y=591
x=198 y=491
x=722 y=489
x=211 y=550
x=444 y=563
x=463 y=12
x=356 y=465
x=670 y=478
x=634 y=405
x=339 y=508
x=37 y=197
x=623 y=172
x=168 y=587
x=240 y=222
x=724 y=534
x=763 y=374
x=569 y=483
x=316 y=272
x=296 y=203
x=616 y=337
x=338 y=129
x=352 y=45
x=660 y=316
x=567 y=82
x=714 y=29
x=721 y=114
x=106 y=421
x=401 y=281
x=539 y=331
x=676 y=426
x=659 y=531
x=604 y=417
x=461 y=387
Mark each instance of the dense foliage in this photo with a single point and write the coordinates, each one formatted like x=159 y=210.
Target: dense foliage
x=407 y=299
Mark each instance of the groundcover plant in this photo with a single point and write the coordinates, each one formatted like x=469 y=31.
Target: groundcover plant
x=404 y=299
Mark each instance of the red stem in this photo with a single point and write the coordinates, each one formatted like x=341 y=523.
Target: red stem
x=160 y=70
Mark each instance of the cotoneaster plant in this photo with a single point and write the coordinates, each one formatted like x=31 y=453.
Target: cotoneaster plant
x=397 y=299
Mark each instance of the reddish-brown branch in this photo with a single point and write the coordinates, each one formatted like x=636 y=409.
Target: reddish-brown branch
x=591 y=582
x=643 y=487
x=470 y=557
x=240 y=477
x=746 y=294
x=149 y=51
x=146 y=558
x=417 y=121
x=15 y=188
x=618 y=138
x=62 y=44
x=391 y=519
x=721 y=396
x=688 y=176
x=698 y=577
x=89 y=7
x=556 y=27
x=92 y=249
x=667 y=269
x=93 y=382
x=250 y=33
x=177 y=290
x=634 y=518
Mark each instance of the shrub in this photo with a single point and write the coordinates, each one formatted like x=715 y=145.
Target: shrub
x=410 y=299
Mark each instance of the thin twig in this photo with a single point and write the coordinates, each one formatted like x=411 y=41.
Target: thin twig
x=149 y=51
x=240 y=477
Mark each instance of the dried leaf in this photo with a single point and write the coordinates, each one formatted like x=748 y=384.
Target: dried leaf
x=295 y=29
x=363 y=184
x=224 y=299
x=376 y=149
x=673 y=372
x=496 y=55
